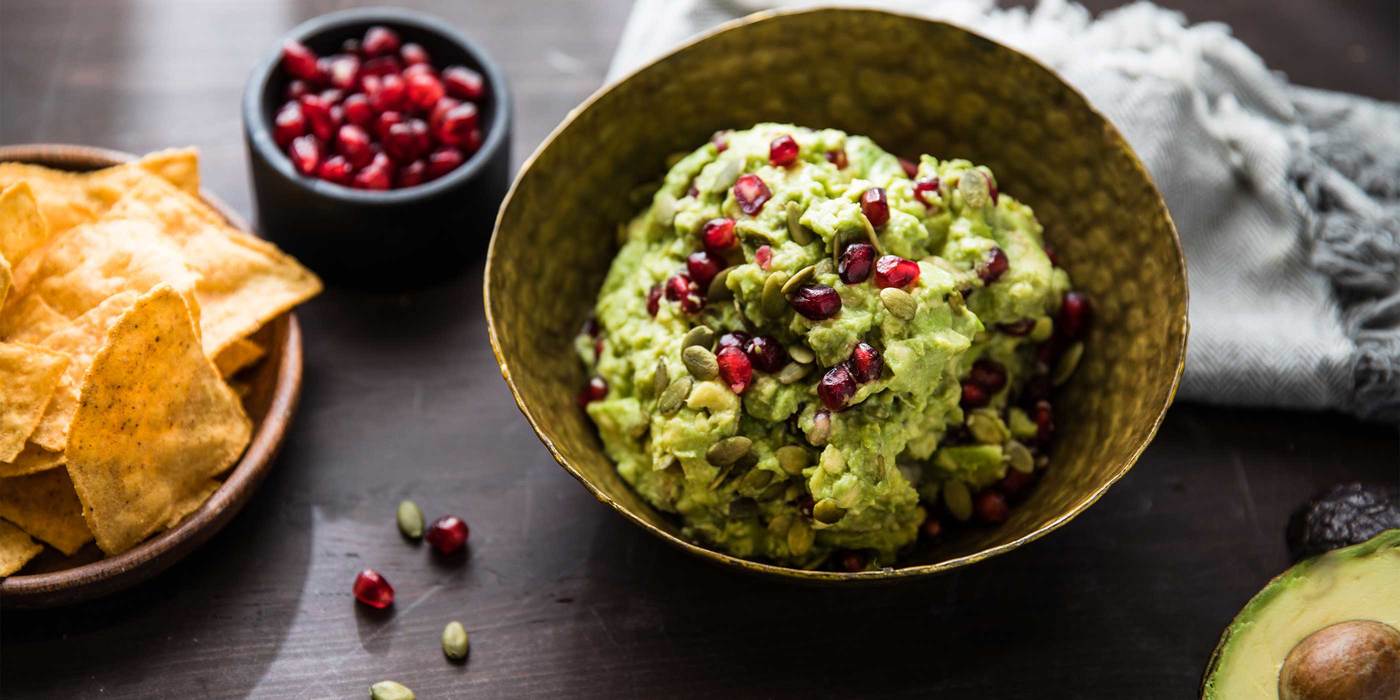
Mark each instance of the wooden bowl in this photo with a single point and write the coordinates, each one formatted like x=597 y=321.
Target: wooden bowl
x=52 y=579
x=914 y=86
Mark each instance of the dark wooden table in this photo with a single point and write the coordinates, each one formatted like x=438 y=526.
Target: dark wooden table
x=562 y=597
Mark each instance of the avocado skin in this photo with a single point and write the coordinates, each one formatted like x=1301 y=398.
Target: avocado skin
x=1344 y=515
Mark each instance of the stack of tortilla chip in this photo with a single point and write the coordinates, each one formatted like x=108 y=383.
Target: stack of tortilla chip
x=126 y=303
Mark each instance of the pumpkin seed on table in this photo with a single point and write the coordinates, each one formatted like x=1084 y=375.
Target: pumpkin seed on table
x=900 y=303
x=671 y=399
x=701 y=363
x=796 y=231
x=793 y=459
x=455 y=642
x=410 y=518
x=827 y=511
x=798 y=279
x=1064 y=369
x=390 y=690
x=728 y=451
x=700 y=336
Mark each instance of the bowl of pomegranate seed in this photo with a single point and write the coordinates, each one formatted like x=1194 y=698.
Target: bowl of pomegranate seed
x=851 y=311
x=379 y=146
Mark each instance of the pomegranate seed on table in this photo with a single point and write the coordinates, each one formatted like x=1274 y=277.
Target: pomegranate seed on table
x=463 y=83
x=336 y=169
x=1075 y=315
x=782 y=152
x=973 y=395
x=994 y=266
x=306 y=153
x=766 y=353
x=702 y=268
x=910 y=167
x=763 y=256
x=380 y=41
x=299 y=61
x=924 y=188
x=380 y=66
x=718 y=236
x=851 y=561
x=875 y=206
x=817 y=302
x=894 y=271
x=447 y=534
x=358 y=111
x=372 y=589
x=837 y=387
x=288 y=124
x=856 y=263
x=443 y=160
x=424 y=90
x=413 y=54
x=296 y=89
x=990 y=507
x=735 y=368
x=837 y=158
x=988 y=374
x=734 y=339
x=866 y=363
x=654 y=299
x=751 y=193
x=352 y=142
x=415 y=173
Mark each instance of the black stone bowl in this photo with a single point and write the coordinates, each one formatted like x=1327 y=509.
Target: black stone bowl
x=378 y=239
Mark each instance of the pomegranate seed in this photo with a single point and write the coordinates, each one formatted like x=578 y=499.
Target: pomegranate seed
x=875 y=206
x=924 y=188
x=1051 y=253
x=380 y=41
x=836 y=387
x=1076 y=313
x=654 y=299
x=380 y=67
x=894 y=271
x=692 y=303
x=990 y=507
x=323 y=71
x=447 y=534
x=721 y=141
x=288 y=124
x=677 y=286
x=296 y=89
x=991 y=187
x=415 y=173
x=413 y=54
x=973 y=395
x=595 y=390
x=376 y=175
x=424 y=90
x=306 y=154
x=457 y=124
x=763 y=256
x=932 y=528
x=816 y=301
x=735 y=368
x=693 y=192
x=856 y=262
x=1017 y=328
x=591 y=327
x=418 y=69
x=837 y=158
x=766 y=353
x=751 y=193
x=472 y=142
x=299 y=61
x=991 y=269
x=1044 y=416
x=734 y=339
x=851 y=561
x=443 y=161
x=372 y=589
x=351 y=46
x=336 y=169
x=988 y=374
x=318 y=116
x=866 y=363
x=407 y=140
x=1015 y=483
x=805 y=504
x=702 y=268
x=782 y=152
x=358 y=111
x=391 y=95
x=439 y=111
x=385 y=121
x=344 y=71
x=718 y=236
x=353 y=143
x=1048 y=352
x=463 y=83
x=910 y=167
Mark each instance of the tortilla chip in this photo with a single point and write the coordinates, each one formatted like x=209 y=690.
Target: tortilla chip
x=244 y=282
x=28 y=376
x=46 y=506
x=30 y=320
x=79 y=340
x=22 y=227
x=16 y=549
x=7 y=276
x=155 y=424
x=238 y=355
x=68 y=199
x=31 y=459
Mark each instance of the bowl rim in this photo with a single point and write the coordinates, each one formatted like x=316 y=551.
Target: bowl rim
x=160 y=551
x=259 y=136
x=886 y=574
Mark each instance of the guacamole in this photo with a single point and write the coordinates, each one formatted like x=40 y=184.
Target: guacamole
x=807 y=346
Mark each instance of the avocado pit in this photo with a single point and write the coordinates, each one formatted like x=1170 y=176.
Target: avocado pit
x=1352 y=660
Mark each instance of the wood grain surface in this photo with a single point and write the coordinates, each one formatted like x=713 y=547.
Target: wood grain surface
x=562 y=597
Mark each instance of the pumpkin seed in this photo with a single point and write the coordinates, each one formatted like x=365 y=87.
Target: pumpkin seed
x=899 y=302
x=821 y=430
x=1021 y=425
x=390 y=690
x=986 y=427
x=773 y=302
x=796 y=231
x=838 y=246
x=870 y=233
x=1042 y=330
x=1019 y=457
x=671 y=399
x=728 y=451
x=800 y=537
x=410 y=518
x=660 y=379
x=756 y=480
x=701 y=336
x=958 y=499
x=719 y=289
x=743 y=507
x=956 y=302
x=1064 y=369
x=802 y=354
x=793 y=459
x=826 y=511
x=751 y=233
x=455 y=641
x=798 y=279
x=773 y=491
x=974 y=188
x=1042 y=461
x=701 y=363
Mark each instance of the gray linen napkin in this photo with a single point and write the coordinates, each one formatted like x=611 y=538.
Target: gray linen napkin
x=1287 y=198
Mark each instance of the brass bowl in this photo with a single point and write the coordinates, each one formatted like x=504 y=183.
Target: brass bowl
x=914 y=86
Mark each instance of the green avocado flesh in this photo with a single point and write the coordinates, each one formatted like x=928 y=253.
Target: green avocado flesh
x=1361 y=582
x=884 y=452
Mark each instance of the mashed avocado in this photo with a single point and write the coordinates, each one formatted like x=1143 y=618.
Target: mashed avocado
x=795 y=350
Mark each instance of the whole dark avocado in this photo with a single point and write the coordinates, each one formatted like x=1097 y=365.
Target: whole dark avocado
x=1344 y=515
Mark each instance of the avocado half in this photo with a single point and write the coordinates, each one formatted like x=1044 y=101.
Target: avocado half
x=1361 y=582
